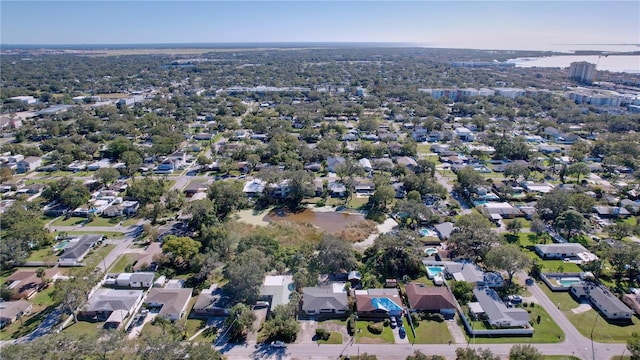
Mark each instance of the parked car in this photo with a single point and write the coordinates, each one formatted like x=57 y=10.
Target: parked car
x=394 y=322
x=278 y=344
x=402 y=332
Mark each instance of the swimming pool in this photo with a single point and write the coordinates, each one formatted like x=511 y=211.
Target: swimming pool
x=60 y=246
x=433 y=271
x=479 y=202
x=426 y=232
x=385 y=304
x=567 y=282
x=430 y=251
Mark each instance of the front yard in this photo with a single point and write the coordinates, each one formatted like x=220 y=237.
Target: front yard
x=603 y=331
x=334 y=338
x=364 y=336
x=428 y=332
x=547 y=331
x=97 y=255
x=122 y=263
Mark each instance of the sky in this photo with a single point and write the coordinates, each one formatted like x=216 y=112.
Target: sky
x=518 y=25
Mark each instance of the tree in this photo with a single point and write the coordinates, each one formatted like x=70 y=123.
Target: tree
x=119 y=146
x=22 y=230
x=203 y=160
x=463 y=291
x=394 y=256
x=419 y=355
x=381 y=198
x=132 y=163
x=411 y=213
x=245 y=274
x=582 y=202
x=514 y=226
x=300 y=187
x=203 y=214
x=473 y=237
x=40 y=274
x=217 y=239
x=347 y=171
x=73 y=292
x=633 y=345
x=181 y=250
x=5 y=174
x=508 y=258
x=174 y=200
x=106 y=175
x=283 y=323
x=240 y=321
x=516 y=171
x=553 y=203
x=335 y=255
x=227 y=197
x=525 y=352
x=475 y=354
x=619 y=230
x=147 y=190
x=468 y=180
x=75 y=195
x=570 y=221
x=578 y=169
x=537 y=226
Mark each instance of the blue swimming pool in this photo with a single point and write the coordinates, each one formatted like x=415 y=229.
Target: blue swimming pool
x=567 y=282
x=426 y=232
x=432 y=271
x=385 y=304
x=430 y=251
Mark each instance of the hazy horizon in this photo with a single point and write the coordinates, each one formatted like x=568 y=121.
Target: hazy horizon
x=496 y=25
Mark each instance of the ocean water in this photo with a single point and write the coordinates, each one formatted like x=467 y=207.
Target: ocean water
x=616 y=63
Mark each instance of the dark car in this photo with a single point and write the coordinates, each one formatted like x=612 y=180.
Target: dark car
x=402 y=332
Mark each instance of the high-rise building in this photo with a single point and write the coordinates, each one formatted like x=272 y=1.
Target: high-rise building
x=582 y=71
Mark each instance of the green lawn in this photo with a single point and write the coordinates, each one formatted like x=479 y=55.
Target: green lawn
x=357 y=202
x=45 y=255
x=363 y=336
x=584 y=322
x=428 y=332
x=103 y=221
x=97 y=255
x=208 y=336
x=72 y=221
x=546 y=332
x=122 y=262
x=193 y=325
x=43 y=298
x=334 y=338
x=83 y=328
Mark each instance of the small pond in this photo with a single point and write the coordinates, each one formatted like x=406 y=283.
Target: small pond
x=331 y=222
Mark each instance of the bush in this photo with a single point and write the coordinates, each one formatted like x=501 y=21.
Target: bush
x=375 y=328
x=322 y=334
x=532 y=304
x=321 y=203
x=386 y=322
x=351 y=326
x=415 y=319
x=525 y=304
x=433 y=317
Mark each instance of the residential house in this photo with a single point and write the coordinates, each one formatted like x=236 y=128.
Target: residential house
x=30 y=163
x=25 y=284
x=430 y=299
x=378 y=303
x=195 y=187
x=540 y=188
x=254 y=187
x=610 y=307
x=77 y=249
x=203 y=136
x=211 y=302
x=497 y=313
x=31 y=189
x=314 y=166
x=564 y=251
x=325 y=300
x=140 y=280
x=366 y=164
x=497 y=211
x=407 y=161
x=276 y=289
x=171 y=302
x=334 y=162
x=11 y=311
x=55 y=209
x=611 y=212
x=631 y=206
x=633 y=302
x=467 y=272
x=384 y=164
x=444 y=230
x=111 y=306
x=336 y=189
x=146 y=258
x=364 y=186
x=464 y=134
x=166 y=167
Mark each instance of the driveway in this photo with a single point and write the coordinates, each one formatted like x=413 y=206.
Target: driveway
x=307 y=331
x=261 y=315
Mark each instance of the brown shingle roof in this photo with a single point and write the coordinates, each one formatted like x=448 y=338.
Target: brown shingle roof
x=426 y=298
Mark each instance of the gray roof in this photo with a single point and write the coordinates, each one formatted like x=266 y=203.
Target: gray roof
x=561 y=248
x=173 y=300
x=602 y=297
x=445 y=229
x=77 y=251
x=11 y=309
x=111 y=300
x=212 y=298
x=497 y=311
x=316 y=298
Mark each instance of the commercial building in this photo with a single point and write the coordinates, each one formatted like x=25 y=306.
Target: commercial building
x=582 y=71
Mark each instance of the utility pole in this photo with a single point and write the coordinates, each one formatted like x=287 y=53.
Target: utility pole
x=593 y=350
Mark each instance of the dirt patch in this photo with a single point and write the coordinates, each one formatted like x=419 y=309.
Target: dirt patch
x=359 y=231
x=287 y=234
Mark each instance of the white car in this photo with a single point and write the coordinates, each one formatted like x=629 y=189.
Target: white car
x=278 y=344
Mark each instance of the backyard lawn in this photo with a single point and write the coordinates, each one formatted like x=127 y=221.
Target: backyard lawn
x=545 y=332
x=364 y=336
x=26 y=326
x=45 y=255
x=428 y=332
x=72 y=221
x=83 y=328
